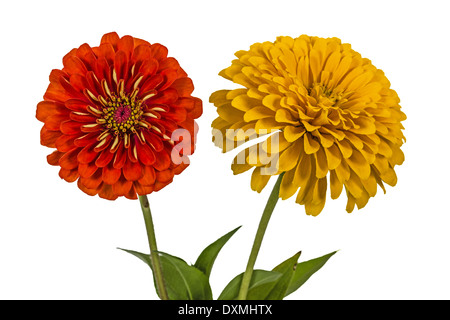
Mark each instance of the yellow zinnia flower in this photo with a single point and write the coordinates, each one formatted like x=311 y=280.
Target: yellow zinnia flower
x=331 y=115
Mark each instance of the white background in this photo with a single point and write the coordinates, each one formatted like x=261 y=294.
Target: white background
x=58 y=243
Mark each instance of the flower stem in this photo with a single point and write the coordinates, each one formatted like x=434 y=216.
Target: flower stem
x=156 y=262
x=271 y=202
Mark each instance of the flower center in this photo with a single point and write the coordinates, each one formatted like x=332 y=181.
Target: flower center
x=324 y=96
x=122 y=115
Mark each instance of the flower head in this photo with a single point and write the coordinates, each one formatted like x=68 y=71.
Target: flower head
x=110 y=113
x=333 y=118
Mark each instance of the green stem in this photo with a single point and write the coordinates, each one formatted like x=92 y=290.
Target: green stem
x=271 y=202
x=156 y=262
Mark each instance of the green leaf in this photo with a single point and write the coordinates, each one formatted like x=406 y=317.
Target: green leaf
x=183 y=282
x=305 y=270
x=261 y=284
x=206 y=259
x=287 y=269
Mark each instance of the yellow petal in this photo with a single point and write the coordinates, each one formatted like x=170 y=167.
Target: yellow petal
x=257 y=113
x=310 y=145
x=230 y=114
x=364 y=125
x=343 y=172
x=219 y=97
x=267 y=125
x=283 y=115
x=315 y=206
x=258 y=180
x=335 y=185
x=289 y=157
x=321 y=163
x=359 y=164
x=390 y=177
x=287 y=187
x=370 y=185
x=333 y=156
x=275 y=143
x=354 y=185
x=244 y=103
x=292 y=133
x=350 y=203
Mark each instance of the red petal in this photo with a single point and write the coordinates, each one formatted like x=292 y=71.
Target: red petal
x=126 y=44
x=72 y=53
x=107 y=193
x=111 y=38
x=153 y=140
x=70 y=127
x=69 y=175
x=166 y=97
x=145 y=154
x=120 y=158
x=93 y=84
x=141 y=189
x=131 y=194
x=159 y=51
x=180 y=168
x=184 y=87
x=86 y=118
x=78 y=82
x=47 y=108
x=150 y=84
x=104 y=159
x=86 y=170
x=139 y=42
x=55 y=92
x=149 y=67
x=169 y=63
x=90 y=191
x=148 y=176
x=169 y=76
x=69 y=159
x=197 y=110
x=186 y=103
x=93 y=182
x=65 y=143
x=87 y=154
x=177 y=115
x=110 y=174
x=76 y=105
x=142 y=53
x=121 y=65
x=53 y=158
x=122 y=187
x=164 y=176
x=105 y=52
x=87 y=55
x=86 y=139
x=163 y=161
x=48 y=138
x=53 y=122
x=132 y=170
x=74 y=65
x=159 y=185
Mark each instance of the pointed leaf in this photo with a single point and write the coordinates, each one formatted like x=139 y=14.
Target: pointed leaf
x=305 y=270
x=206 y=259
x=187 y=281
x=287 y=268
x=183 y=282
x=261 y=284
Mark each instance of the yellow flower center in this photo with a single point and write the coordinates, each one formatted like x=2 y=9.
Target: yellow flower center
x=122 y=115
x=325 y=97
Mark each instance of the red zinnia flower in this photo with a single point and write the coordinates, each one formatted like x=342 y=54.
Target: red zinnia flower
x=110 y=113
